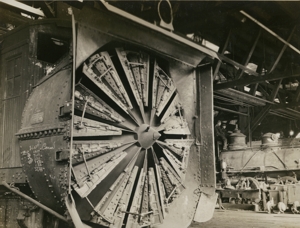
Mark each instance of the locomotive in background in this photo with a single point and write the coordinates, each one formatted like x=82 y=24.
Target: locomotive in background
x=103 y=125
x=267 y=170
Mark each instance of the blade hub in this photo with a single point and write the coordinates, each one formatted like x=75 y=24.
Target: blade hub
x=147 y=135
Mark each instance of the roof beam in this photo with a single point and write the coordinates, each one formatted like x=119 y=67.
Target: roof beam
x=282 y=50
x=290 y=113
x=253 y=80
x=12 y=17
x=285 y=106
x=275 y=90
x=259 y=117
x=250 y=53
x=253 y=89
x=242 y=96
x=270 y=31
x=264 y=92
x=231 y=101
x=24 y=7
x=297 y=95
x=229 y=110
x=281 y=97
x=280 y=91
x=273 y=112
x=222 y=51
x=241 y=66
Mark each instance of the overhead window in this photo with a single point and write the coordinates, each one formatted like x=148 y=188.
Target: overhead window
x=51 y=48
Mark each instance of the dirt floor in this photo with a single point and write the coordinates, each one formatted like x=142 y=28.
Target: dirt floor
x=249 y=219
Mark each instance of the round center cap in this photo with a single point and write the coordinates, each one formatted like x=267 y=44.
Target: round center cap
x=147 y=136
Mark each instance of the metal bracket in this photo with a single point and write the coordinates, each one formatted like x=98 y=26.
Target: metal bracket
x=62 y=155
x=65 y=110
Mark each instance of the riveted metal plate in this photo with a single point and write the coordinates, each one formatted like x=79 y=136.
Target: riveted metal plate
x=15 y=175
x=47 y=178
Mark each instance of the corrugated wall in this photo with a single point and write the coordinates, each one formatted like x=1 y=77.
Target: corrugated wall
x=20 y=71
x=15 y=89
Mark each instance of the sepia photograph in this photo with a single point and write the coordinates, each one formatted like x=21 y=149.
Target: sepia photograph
x=149 y=114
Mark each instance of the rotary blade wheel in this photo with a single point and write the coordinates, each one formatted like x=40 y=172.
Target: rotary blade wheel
x=130 y=140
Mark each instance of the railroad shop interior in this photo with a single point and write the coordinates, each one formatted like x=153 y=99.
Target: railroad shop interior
x=163 y=113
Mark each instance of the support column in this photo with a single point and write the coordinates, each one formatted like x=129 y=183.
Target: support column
x=206 y=127
x=205 y=135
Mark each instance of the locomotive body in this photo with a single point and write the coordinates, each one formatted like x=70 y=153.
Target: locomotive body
x=114 y=134
x=269 y=169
